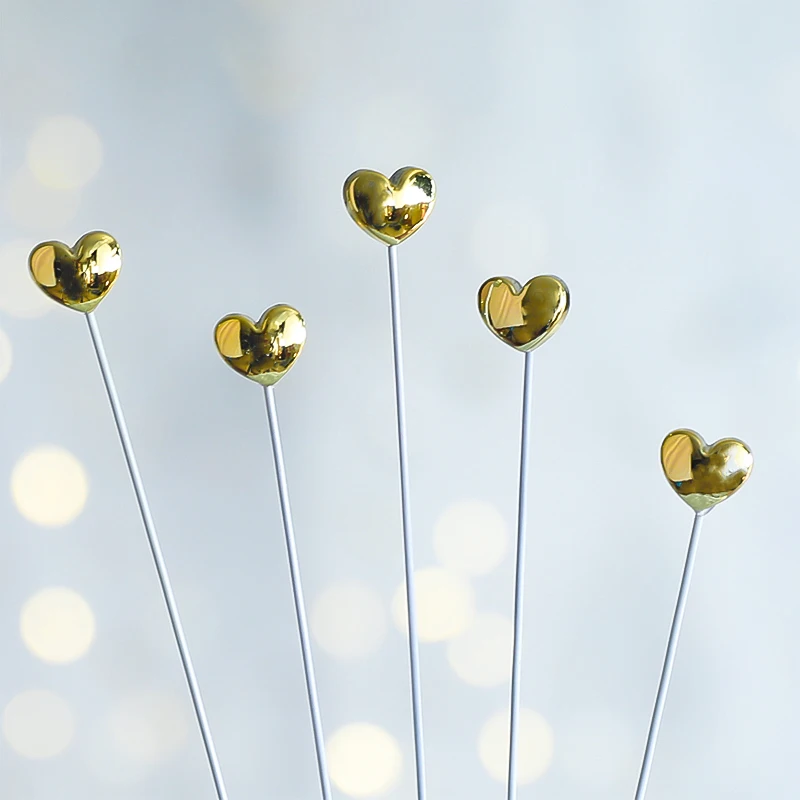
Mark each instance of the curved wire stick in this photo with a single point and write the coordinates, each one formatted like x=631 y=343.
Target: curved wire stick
x=297 y=593
x=158 y=558
x=408 y=552
x=522 y=523
x=669 y=658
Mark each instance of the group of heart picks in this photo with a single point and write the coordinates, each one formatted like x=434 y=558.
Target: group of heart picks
x=524 y=317
x=390 y=210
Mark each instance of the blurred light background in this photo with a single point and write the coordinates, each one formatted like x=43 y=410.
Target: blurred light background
x=644 y=151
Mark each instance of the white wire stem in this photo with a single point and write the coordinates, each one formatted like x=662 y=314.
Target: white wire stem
x=297 y=593
x=411 y=598
x=158 y=558
x=669 y=658
x=519 y=582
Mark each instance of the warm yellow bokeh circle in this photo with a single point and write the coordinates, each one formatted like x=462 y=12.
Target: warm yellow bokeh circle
x=19 y=295
x=38 y=724
x=57 y=625
x=535 y=746
x=481 y=655
x=49 y=486
x=64 y=152
x=348 y=621
x=364 y=760
x=445 y=604
x=149 y=727
x=470 y=537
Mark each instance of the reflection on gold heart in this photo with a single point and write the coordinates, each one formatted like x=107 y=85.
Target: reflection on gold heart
x=265 y=351
x=78 y=277
x=390 y=209
x=704 y=475
x=523 y=317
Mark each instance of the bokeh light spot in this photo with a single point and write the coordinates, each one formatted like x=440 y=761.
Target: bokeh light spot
x=348 y=621
x=445 y=604
x=481 y=656
x=149 y=727
x=49 y=486
x=364 y=760
x=470 y=537
x=38 y=724
x=64 y=153
x=57 y=625
x=535 y=746
x=19 y=296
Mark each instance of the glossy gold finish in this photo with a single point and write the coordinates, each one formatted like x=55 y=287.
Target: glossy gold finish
x=704 y=475
x=390 y=209
x=265 y=351
x=78 y=277
x=523 y=317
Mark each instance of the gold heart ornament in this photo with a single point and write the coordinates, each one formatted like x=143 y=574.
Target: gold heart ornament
x=390 y=209
x=704 y=475
x=523 y=316
x=78 y=277
x=264 y=351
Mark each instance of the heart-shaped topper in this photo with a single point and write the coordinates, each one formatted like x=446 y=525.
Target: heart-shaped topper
x=704 y=475
x=264 y=351
x=390 y=209
x=78 y=277
x=523 y=316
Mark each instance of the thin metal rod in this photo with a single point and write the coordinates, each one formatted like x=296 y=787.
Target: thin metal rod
x=158 y=558
x=408 y=551
x=669 y=658
x=297 y=592
x=519 y=583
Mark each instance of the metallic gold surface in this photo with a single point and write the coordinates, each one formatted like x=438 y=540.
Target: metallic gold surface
x=390 y=209
x=704 y=475
x=265 y=351
x=523 y=317
x=78 y=277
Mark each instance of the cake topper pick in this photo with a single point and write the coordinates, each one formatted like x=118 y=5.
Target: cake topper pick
x=524 y=318
x=264 y=353
x=390 y=210
x=703 y=476
x=79 y=278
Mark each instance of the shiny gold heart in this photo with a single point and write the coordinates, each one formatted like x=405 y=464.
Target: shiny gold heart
x=265 y=351
x=704 y=475
x=390 y=209
x=78 y=277
x=523 y=317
